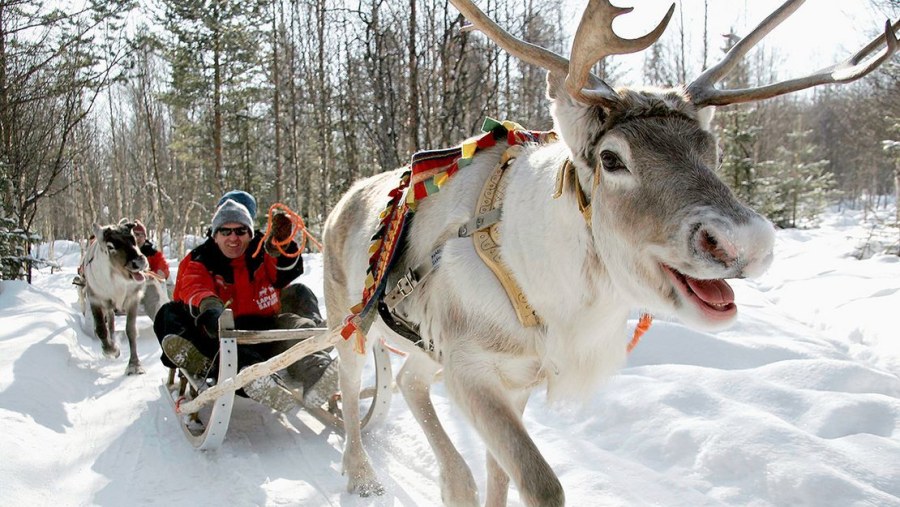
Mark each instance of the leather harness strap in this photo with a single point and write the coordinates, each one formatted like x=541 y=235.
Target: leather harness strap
x=487 y=238
x=413 y=277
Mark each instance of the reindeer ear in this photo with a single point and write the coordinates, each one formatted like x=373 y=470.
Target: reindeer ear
x=98 y=231
x=555 y=85
x=705 y=117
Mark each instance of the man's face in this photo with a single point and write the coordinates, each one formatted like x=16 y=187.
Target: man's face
x=140 y=237
x=232 y=239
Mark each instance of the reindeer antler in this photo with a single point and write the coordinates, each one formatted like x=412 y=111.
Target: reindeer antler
x=594 y=40
x=703 y=91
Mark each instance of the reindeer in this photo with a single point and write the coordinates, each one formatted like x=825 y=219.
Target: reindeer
x=641 y=221
x=114 y=276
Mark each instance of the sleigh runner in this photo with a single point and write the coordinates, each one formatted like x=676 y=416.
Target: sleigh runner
x=204 y=409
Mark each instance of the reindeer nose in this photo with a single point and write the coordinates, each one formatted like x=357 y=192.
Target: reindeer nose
x=745 y=249
x=708 y=241
x=139 y=263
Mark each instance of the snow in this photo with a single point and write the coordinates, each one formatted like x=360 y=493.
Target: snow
x=797 y=404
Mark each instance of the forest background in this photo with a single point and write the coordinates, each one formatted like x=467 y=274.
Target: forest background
x=112 y=108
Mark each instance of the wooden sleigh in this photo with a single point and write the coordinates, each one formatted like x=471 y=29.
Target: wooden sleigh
x=204 y=411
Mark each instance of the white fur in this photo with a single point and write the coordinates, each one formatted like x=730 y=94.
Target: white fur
x=106 y=282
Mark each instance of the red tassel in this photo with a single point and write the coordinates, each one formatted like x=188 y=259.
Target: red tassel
x=643 y=325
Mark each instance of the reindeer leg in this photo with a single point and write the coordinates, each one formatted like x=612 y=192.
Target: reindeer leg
x=496 y=418
x=497 y=478
x=362 y=479
x=497 y=483
x=134 y=362
x=104 y=330
x=457 y=484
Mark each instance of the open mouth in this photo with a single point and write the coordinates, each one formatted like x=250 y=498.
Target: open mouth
x=714 y=298
x=137 y=276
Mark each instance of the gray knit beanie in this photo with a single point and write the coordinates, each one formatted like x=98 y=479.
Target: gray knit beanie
x=231 y=211
x=242 y=198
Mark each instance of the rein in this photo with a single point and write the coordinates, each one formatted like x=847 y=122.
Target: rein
x=297 y=224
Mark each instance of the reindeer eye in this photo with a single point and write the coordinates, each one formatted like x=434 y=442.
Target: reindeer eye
x=611 y=162
x=110 y=246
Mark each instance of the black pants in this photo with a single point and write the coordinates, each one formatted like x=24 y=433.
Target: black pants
x=175 y=317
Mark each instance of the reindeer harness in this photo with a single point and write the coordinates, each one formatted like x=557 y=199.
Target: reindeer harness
x=428 y=172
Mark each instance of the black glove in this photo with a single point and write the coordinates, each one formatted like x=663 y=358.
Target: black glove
x=282 y=230
x=211 y=309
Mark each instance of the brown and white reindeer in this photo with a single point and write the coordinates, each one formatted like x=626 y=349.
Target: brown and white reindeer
x=114 y=273
x=642 y=222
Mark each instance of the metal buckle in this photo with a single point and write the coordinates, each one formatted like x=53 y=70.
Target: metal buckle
x=406 y=283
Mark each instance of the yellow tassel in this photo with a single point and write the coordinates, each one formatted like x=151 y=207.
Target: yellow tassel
x=359 y=345
x=512 y=126
x=468 y=149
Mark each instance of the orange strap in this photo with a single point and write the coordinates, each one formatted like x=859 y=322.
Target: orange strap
x=297 y=225
x=642 y=327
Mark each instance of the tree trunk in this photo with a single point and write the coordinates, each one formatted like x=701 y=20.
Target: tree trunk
x=114 y=167
x=413 y=114
x=156 y=197
x=322 y=111
x=897 y=199
x=217 y=113
x=300 y=201
x=705 y=33
x=276 y=109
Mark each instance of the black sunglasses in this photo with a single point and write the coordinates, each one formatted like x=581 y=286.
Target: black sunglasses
x=240 y=231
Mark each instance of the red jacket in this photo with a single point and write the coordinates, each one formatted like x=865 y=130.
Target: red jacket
x=247 y=285
x=156 y=259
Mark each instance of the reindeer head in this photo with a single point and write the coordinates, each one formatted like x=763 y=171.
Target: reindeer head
x=666 y=228
x=117 y=242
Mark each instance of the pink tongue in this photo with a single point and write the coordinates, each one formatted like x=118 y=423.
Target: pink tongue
x=712 y=291
x=137 y=276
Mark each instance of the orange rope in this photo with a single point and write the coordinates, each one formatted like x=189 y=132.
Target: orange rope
x=642 y=327
x=297 y=224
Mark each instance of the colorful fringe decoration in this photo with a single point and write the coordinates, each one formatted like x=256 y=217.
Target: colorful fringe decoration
x=427 y=173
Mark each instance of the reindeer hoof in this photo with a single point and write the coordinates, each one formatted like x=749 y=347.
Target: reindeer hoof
x=111 y=352
x=366 y=488
x=134 y=369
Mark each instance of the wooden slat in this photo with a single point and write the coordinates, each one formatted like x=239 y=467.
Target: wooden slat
x=247 y=337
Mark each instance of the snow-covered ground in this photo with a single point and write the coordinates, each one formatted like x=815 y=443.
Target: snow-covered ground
x=797 y=404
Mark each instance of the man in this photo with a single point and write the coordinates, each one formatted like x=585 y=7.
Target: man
x=223 y=272
x=156 y=293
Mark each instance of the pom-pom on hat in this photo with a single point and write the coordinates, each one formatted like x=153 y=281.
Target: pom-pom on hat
x=231 y=211
x=240 y=197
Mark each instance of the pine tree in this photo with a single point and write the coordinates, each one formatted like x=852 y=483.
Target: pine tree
x=796 y=185
x=214 y=49
x=738 y=132
x=738 y=137
x=14 y=256
x=892 y=147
